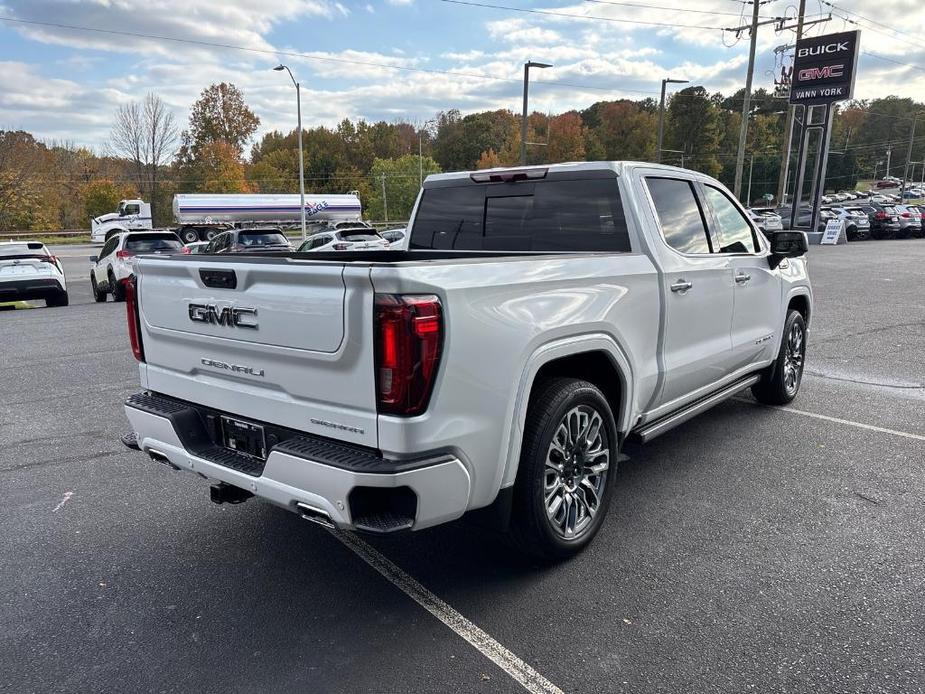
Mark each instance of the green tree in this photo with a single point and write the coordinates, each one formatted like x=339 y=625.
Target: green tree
x=218 y=169
x=398 y=179
x=693 y=127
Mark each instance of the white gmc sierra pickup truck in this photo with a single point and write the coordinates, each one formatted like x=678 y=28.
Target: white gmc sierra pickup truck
x=537 y=318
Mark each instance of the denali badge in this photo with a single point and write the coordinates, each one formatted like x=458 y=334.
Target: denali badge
x=237 y=368
x=230 y=316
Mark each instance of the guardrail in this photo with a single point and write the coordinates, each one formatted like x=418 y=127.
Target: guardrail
x=43 y=234
x=86 y=232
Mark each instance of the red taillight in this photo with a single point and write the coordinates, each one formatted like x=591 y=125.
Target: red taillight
x=133 y=318
x=906 y=215
x=186 y=249
x=880 y=215
x=409 y=338
x=124 y=254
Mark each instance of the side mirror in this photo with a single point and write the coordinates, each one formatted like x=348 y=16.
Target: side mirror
x=94 y=258
x=787 y=244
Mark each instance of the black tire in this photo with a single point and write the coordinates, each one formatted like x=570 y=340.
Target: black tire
x=780 y=383
x=852 y=233
x=189 y=235
x=98 y=296
x=211 y=234
x=532 y=529
x=117 y=290
x=59 y=299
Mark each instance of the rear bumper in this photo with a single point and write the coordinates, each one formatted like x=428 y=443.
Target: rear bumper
x=26 y=289
x=351 y=486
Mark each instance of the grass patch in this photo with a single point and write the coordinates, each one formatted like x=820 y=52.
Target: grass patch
x=13 y=305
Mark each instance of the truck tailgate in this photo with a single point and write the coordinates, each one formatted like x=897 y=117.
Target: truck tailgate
x=267 y=339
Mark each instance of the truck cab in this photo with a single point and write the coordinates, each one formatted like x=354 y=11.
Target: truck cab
x=132 y=215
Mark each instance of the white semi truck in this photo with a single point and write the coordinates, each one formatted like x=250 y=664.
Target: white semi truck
x=199 y=217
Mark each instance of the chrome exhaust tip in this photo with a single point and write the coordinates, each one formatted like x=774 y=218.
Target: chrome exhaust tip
x=315 y=515
x=159 y=457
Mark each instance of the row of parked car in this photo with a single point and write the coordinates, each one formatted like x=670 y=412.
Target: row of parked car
x=110 y=269
x=866 y=215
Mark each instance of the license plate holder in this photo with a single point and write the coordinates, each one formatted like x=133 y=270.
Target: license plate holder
x=244 y=437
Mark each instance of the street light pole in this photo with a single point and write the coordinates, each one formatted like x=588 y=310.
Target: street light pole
x=523 y=123
x=298 y=98
x=902 y=192
x=661 y=118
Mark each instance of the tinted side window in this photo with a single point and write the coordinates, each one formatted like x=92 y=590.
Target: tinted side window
x=109 y=246
x=734 y=231
x=679 y=214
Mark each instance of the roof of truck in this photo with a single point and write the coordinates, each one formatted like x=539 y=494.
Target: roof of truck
x=619 y=167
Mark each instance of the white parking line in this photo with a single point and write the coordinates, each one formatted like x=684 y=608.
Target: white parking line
x=838 y=420
x=529 y=678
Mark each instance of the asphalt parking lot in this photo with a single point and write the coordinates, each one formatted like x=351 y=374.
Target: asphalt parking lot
x=752 y=549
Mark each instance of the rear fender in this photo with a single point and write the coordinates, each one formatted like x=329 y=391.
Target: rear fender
x=594 y=342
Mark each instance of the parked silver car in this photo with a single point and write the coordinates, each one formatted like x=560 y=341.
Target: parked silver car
x=910 y=221
x=857 y=224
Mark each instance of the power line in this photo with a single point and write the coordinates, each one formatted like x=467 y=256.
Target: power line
x=664 y=7
x=568 y=15
x=295 y=54
x=895 y=62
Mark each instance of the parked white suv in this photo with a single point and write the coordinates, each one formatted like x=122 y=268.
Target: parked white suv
x=28 y=272
x=356 y=239
x=115 y=262
x=539 y=317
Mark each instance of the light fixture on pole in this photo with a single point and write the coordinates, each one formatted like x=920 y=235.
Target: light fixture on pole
x=661 y=117
x=298 y=98
x=523 y=123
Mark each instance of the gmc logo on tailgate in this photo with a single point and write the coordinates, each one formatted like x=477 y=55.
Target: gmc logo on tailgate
x=229 y=316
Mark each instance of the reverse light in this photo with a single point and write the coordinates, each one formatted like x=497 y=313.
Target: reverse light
x=409 y=340
x=133 y=317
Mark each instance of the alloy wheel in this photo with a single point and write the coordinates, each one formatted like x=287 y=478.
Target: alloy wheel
x=577 y=462
x=793 y=359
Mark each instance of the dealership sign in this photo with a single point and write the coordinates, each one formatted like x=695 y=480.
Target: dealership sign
x=824 y=68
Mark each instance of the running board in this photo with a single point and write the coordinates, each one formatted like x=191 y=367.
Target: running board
x=649 y=431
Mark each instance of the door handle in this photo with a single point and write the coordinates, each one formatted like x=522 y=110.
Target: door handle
x=681 y=286
x=742 y=278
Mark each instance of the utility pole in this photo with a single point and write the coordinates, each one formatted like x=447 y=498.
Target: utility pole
x=889 y=156
x=661 y=118
x=746 y=101
x=385 y=201
x=791 y=116
x=902 y=191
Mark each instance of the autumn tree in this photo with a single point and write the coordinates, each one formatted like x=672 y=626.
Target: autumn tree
x=145 y=133
x=566 y=138
x=219 y=115
x=102 y=196
x=488 y=160
x=218 y=169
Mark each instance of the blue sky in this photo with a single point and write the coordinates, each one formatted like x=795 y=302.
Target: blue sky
x=65 y=84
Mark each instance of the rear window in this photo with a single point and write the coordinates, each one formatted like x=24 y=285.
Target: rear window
x=553 y=215
x=256 y=239
x=9 y=250
x=363 y=235
x=151 y=243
